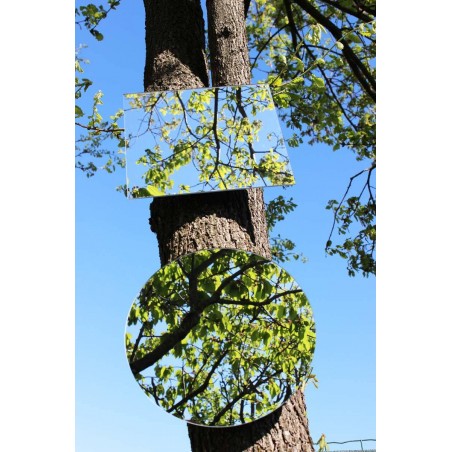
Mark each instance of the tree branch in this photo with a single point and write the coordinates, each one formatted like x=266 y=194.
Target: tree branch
x=294 y=32
x=201 y=388
x=364 y=77
x=327 y=80
x=258 y=303
x=135 y=346
x=264 y=46
x=369 y=9
x=369 y=170
x=169 y=340
x=215 y=134
x=247 y=6
x=251 y=386
x=196 y=271
x=293 y=28
x=216 y=295
x=345 y=9
x=245 y=116
x=97 y=129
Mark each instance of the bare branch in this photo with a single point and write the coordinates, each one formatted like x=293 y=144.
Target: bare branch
x=369 y=170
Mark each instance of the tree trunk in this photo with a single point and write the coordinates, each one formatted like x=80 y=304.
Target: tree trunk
x=286 y=429
x=231 y=219
x=175 y=59
x=175 y=44
x=228 y=43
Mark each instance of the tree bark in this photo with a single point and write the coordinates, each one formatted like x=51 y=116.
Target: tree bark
x=286 y=429
x=175 y=59
x=228 y=43
x=175 y=44
x=230 y=219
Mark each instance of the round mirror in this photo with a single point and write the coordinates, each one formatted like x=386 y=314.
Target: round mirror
x=220 y=337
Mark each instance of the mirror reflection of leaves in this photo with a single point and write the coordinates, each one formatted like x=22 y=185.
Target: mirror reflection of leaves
x=221 y=134
x=220 y=337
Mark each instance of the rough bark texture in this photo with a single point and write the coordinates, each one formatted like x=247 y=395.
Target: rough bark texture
x=230 y=219
x=286 y=429
x=175 y=43
x=189 y=223
x=228 y=43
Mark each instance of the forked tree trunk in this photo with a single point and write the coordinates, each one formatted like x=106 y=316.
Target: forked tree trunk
x=175 y=59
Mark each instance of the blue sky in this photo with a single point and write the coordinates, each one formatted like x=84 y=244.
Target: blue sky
x=116 y=253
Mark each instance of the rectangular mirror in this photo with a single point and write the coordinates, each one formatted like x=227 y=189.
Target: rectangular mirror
x=202 y=140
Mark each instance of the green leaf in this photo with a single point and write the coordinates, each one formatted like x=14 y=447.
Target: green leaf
x=98 y=35
x=318 y=82
x=78 y=112
x=281 y=311
x=266 y=336
x=255 y=335
x=154 y=191
x=299 y=64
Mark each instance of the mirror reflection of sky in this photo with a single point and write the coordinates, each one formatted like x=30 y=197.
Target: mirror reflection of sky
x=208 y=139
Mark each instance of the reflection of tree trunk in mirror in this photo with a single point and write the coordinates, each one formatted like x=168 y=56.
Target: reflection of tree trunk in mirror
x=184 y=224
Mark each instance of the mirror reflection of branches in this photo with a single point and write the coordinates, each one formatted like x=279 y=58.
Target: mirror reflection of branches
x=220 y=337
x=203 y=140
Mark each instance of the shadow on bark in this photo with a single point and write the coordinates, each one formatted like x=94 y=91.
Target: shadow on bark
x=269 y=434
x=222 y=439
x=232 y=219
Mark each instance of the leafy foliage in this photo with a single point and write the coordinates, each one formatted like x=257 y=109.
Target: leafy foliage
x=277 y=209
x=282 y=249
x=319 y=58
x=92 y=15
x=220 y=337
x=207 y=139
x=358 y=251
x=100 y=139
x=100 y=133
